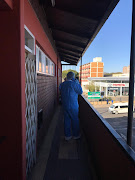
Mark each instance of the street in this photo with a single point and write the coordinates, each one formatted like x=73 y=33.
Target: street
x=117 y=121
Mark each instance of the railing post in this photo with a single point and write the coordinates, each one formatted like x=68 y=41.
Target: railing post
x=131 y=80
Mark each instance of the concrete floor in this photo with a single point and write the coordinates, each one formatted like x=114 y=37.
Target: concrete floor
x=62 y=160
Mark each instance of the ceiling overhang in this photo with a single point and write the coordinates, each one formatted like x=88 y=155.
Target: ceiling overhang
x=6 y=5
x=75 y=23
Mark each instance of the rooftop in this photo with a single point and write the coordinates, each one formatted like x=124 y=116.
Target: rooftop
x=108 y=78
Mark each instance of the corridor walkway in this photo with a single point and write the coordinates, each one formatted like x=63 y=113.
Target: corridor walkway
x=64 y=160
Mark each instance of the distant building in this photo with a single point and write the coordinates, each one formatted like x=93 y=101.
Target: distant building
x=112 y=86
x=92 y=69
x=126 y=69
x=120 y=75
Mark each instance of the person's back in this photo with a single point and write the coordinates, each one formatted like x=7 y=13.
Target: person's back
x=69 y=94
x=70 y=90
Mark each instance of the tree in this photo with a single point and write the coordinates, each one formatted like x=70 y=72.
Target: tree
x=110 y=74
x=64 y=73
x=91 y=87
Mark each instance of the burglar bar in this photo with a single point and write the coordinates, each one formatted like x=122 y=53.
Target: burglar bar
x=131 y=80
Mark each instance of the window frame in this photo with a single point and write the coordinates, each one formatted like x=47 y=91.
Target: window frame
x=45 y=61
x=27 y=48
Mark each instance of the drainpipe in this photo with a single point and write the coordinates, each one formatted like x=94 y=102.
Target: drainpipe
x=131 y=80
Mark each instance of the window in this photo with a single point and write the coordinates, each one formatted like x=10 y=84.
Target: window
x=51 y=64
x=40 y=61
x=43 y=63
x=47 y=65
x=29 y=41
x=37 y=58
x=123 y=106
x=53 y=69
x=49 y=72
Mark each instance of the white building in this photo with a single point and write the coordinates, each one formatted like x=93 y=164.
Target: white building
x=112 y=86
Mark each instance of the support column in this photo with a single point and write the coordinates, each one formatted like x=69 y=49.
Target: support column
x=12 y=72
x=106 y=90
x=131 y=80
x=120 y=91
x=81 y=72
x=100 y=86
x=57 y=75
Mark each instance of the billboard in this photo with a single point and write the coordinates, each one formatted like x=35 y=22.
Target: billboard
x=93 y=95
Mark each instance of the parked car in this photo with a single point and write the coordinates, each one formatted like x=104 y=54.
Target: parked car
x=105 y=99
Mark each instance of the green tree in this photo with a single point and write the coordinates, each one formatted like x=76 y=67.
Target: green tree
x=91 y=87
x=64 y=73
x=110 y=74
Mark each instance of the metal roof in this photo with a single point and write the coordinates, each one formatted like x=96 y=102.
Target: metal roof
x=108 y=78
x=75 y=23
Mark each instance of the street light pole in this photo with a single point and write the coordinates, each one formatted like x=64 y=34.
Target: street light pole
x=131 y=80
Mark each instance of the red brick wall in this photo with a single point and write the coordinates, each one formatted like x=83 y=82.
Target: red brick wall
x=46 y=100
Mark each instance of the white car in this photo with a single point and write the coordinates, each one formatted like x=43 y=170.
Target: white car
x=118 y=108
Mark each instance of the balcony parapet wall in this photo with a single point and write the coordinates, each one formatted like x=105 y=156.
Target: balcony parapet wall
x=112 y=157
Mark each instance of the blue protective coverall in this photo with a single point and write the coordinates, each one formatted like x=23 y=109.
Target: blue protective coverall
x=69 y=96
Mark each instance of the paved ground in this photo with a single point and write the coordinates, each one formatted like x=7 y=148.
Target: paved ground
x=117 y=121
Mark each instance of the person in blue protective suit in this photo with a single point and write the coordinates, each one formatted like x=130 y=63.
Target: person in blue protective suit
x=70 y=90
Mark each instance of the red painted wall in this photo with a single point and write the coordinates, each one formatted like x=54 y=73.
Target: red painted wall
x=35 y=27
x=12 y=116
x=12 y=72
x=33 y=24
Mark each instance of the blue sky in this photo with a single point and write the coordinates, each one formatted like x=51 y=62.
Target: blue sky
x=113 y=41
